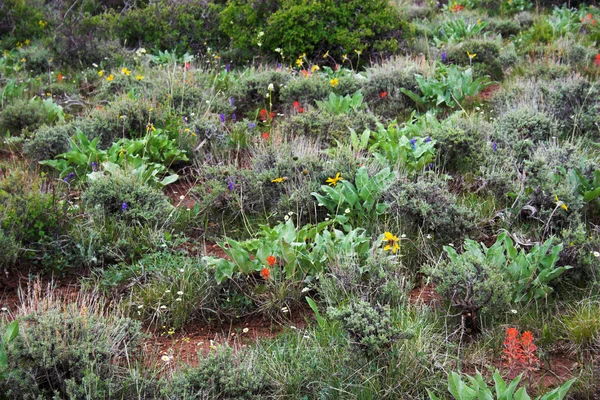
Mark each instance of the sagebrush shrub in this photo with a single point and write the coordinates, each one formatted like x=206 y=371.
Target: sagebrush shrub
x=49 y=141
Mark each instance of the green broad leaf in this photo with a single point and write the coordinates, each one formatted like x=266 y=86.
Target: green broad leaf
x=558 y=393
x=223 y=269
x=315 y=308
x=591 y=195
x=458 y=389
x=521 y=394
x=431 y=395
x=167 y=180
x=11 y=332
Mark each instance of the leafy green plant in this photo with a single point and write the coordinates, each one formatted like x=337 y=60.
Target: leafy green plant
x=296 y=253
x=515 y=6
x=448 y=88
x=399 y=148
x=338 y=104
x=359 y=203
x=10 y=334
x=147 y=158
x=476 y=388
x=589 y=188
x=455 y=31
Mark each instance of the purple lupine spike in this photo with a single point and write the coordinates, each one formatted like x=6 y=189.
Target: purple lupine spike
x=222 y=118
x=233 y=117
x=413 y=142
x=230 y=185
x=495 y=146
x=444 y=57
x=428 y=139
x=251 y=125
x=124 y=207
x=232 y=102
x=228 y=67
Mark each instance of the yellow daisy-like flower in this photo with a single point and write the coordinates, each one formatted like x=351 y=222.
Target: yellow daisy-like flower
x=315 y=68
x=299 y=62
x=345 y=57
x=278 y=180
x=334 y=82
x=23 y=59
x=27 y=41
x=326 y=54
x=110 y=77
x=334 y=181
x=471 y=56
x=561 y=204
x=125 y=71
x=139 y=77
x=100 y=73
x=392 y=242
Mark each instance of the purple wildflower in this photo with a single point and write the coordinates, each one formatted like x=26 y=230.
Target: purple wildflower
x=69 y=177
x=232 y=102
x=94 y=166
x=222 y=118
x=185 y=119
x=428 y=139
x=413 y=142
x=124 y=207
x=495 y=146
x=230 y=185
x=444 y=57
x=251 y=125
x=228 y=67
x=233 y=117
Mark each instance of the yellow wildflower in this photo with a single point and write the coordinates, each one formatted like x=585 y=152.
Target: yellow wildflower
x=334 y=181
x=100 y=73
x=334 y=82
x=345 y=57
x=326 y=54
x=278 y=180
x=471 y=56
x=139 y=77
x=314 y=68
x=392 y=242
x=125 y=71
x=110 y=77
x=23 y=59
x=27 y=41
x=560 y=203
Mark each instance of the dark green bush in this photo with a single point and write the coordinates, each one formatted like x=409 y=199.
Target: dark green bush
x=486 y=60
x=49 y=141
x=429 y=205
x=305 y=90
x=170 y=24
x=9 y=250
x=524 y=124
x=223 y=375
x=382 y=89
x=327 y=127
x=460 y=143
x=38 y=59
x=370 y=328
x=505 y=27
x=69 y=352
x=127 y=198
x=22 y=115
x=19 y=21
x=250 y=92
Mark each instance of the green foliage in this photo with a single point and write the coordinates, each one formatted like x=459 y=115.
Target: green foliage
x=9 y=250
x=341 y=104
x=19 y=21
x=486 y=61
x=394 y=145
x=12 y=331
x=148 y=159
x=357 y=204
x=305 y=90
x=299 y=252
x=124 y=196
x=580 y=326
x=370 y=328
x=515 y=6
x=222 y=374
x=20 y=116
x=429 y=205
x=45 y=361
x=476 y=388
x=456 y=31
x=48 y=142
x=449 y=88
x=312 y=28
x=525 y=123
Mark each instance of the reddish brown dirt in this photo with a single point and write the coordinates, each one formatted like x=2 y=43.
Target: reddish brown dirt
x=188 y=344
x=489 y=92
x=426 y=295
x=179 y=192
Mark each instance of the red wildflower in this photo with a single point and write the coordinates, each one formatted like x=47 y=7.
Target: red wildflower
x=594 y=22
x=512 y=353
x=187 y=66
x=305 y=73
x=589 y=16
x=263 y=114
x=265 y=136
x=265 y=273
x=271 y=260
x=271 y=115
x=383 y=95
x=59 y=78
x=597 y=60
x=529 y=358
x=296 y=105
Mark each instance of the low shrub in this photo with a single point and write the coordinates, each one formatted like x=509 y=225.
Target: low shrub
x=49 y=141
